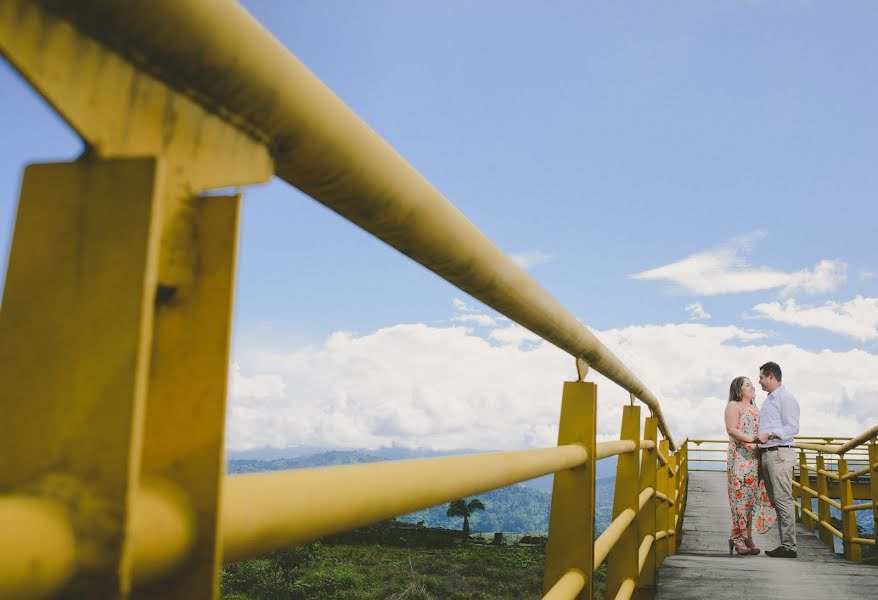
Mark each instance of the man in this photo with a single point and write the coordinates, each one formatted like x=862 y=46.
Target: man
x=778 y=423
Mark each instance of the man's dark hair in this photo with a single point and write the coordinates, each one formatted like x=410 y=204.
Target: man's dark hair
x=771 y=368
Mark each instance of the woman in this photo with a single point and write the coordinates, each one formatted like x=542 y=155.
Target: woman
x=747 y=496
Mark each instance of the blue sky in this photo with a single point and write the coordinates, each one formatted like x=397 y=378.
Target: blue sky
x=640 y=158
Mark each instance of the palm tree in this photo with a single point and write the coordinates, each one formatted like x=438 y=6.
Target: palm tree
x=460 y=508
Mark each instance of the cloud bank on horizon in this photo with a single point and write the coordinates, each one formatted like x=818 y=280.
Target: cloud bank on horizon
x=490 y=384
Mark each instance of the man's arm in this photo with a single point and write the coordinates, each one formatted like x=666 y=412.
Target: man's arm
x=789 y=417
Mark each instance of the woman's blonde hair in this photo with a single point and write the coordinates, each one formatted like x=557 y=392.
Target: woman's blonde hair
x=735 y=390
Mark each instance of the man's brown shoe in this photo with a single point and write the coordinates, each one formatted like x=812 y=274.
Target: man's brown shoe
x=781 y=552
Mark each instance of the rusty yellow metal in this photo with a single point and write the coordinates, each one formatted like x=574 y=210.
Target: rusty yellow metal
x=37 y=547
x=571 y=517
x=623 y=558
x=822 y=504
x=320 y=146
x=646 y=517
x=614 y=448
x=848 y=519
x=568 y=586
x=263 y=512
x=663 y=480
x=75 y=329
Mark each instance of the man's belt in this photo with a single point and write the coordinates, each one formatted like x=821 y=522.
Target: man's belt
x=775 y=448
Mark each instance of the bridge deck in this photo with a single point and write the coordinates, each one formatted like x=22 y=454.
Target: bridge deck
x=702 y=567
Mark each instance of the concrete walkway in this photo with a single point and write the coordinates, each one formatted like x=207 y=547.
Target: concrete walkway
x=703 y=570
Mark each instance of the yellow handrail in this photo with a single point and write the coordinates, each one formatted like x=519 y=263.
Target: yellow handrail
x=323 y=148
x=568 y=587
x=606 y=449
x=39 y=544
x=263 y=512
x=856 y=441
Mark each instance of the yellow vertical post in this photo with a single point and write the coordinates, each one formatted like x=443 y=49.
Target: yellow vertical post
x=672 y=504
x=646 y=521
x=187 y=388
x=571 y=520
x=848 y=519
x=682 y=488
x=75 y=332
x=822 y=505
x=873 y=484
x=662 y=480
x=806 y=496
x=623 y=557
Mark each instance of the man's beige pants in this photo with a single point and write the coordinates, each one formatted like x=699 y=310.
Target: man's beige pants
x=777 y=473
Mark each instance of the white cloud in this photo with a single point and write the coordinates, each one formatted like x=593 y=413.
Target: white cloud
x=526 y=260
x=857 y=318
x=724 y=270
x=867 y=275
x=697 y=312
x=462 y=306
x=478 y=319
x=254 y=386
x=446 y=387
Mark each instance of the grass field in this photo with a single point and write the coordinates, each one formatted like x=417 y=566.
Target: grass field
x=373 y=571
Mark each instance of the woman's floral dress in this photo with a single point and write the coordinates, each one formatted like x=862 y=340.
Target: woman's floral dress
x=747 y=496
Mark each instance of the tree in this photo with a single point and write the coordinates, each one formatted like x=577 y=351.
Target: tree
x=460 y=508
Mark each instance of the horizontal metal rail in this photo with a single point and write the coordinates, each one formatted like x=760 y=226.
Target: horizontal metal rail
x=323 y=148
x=643 y=551
x=645 y=495
x=38 y=546
x=829 y=528
x=861 y=506
x=860 y=439
x=863 y=541
x=626 y=589
x=568 y=587
x=263 y=512
x=607 y=449
x=830 y=474
x=611 y=535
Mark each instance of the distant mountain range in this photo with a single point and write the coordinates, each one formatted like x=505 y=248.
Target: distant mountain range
x=519 y=508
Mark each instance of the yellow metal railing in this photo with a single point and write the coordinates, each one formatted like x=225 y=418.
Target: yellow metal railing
x=834 y=472
x=114 y=330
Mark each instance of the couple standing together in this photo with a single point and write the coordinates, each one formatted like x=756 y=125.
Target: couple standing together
x=760 y=462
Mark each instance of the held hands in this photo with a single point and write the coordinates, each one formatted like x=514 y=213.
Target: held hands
x=762 y=437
